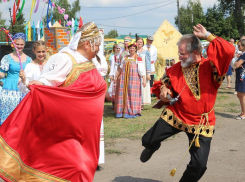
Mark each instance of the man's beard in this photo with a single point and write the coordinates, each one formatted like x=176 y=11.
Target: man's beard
x=187 y=62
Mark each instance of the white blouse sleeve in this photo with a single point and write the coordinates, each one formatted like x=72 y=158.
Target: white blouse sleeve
x=56 y=70
x=4 y=64
x=122 y=62
x=112 y=71
x=141 y=67
x=29 y=71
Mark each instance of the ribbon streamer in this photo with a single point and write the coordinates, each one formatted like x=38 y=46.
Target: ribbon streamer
x=37 y=6
x=15 y=9
x=49 y=19
x=21 y=9
x=32 y=6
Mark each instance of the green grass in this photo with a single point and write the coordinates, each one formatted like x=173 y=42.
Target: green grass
x=112 y=151
x=129 y=128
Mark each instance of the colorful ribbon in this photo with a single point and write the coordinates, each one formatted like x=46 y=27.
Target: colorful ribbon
x=37 y=6
x=49 y=19
x=32 y=7
x=21 y=9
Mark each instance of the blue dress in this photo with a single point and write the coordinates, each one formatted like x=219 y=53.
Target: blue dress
x=10 y=94
x=240 y=75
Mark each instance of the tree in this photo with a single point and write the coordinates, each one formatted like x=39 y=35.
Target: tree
x=219 y=23
x=71 y=10
x=234 y=8
x=2 y=23
x=190 y=15
x=112 y=34
x=19 y=24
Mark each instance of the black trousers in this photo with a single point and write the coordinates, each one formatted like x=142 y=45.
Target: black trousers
x=199 y=155
x=152 y=80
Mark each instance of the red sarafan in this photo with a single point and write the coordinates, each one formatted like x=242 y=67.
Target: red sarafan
x=53 y=135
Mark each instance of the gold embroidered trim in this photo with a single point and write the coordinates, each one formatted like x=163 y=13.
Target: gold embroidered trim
x=191 y=75
x=15 y=170
x=171 y=119
x=211 y=37
x=76 y=71
x=166 y=80
x=217 y=78
x=125 y=89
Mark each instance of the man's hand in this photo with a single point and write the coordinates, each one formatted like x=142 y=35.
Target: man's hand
x=163 y=94
x=34 y=83
x=200 y=31
x=148 y=77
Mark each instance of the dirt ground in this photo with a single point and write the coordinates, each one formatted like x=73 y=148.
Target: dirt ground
x=226 y=160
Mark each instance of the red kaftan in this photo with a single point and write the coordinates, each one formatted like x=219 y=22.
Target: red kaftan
x=199 y=84
x=54 y=133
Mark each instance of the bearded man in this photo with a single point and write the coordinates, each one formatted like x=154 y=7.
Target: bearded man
x=193 y=84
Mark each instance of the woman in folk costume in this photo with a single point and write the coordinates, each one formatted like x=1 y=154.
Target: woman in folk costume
x=146 y=58
x=115 y=61
x=54 y=133
x=130 y=73
x=33 y=70
x=102 y=66
x=9 y=73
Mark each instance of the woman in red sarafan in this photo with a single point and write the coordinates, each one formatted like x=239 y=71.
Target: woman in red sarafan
x=53 y=135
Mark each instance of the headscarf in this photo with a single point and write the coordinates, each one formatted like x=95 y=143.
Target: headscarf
x=19 y=35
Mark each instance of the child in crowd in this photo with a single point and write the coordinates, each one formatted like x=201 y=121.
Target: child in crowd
x=33 y=70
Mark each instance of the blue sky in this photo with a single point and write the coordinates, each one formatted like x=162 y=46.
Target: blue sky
x=151 y=19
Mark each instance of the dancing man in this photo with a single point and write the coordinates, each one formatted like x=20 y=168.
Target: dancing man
x=193 y=84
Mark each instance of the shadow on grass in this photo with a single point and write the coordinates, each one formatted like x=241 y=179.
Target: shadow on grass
x=225 y=115
x=232 y=93
x=108 y=111
x=132 y=179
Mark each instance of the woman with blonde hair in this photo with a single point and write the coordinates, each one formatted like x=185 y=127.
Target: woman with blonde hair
x=9 y=73
x=34 y=69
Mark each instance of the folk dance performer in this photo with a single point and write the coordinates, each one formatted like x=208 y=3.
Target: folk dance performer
x=193 y=84
x=54 y=133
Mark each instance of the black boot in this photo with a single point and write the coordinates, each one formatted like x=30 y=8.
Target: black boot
x=146 y=155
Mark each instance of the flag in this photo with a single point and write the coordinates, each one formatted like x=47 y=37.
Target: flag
x=29 y=31
x=75 y=26
x=80 y=22
x=38 y=30
x=34 y=31
x=26 y=32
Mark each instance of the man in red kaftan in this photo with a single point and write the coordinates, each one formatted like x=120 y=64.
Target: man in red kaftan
x=194 y=82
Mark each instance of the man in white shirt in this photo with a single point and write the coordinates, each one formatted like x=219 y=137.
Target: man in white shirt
x=153 y=51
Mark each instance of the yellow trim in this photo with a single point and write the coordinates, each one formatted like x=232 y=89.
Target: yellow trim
x=217 y=78
x=125 y=89
x=165 y=80
x=77 y=70
x=170 y=118
x=13 y=169
x=211 y=37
